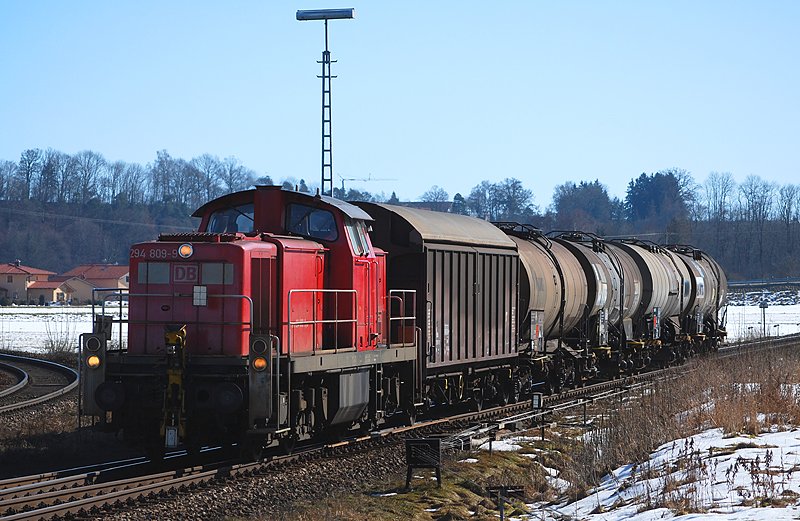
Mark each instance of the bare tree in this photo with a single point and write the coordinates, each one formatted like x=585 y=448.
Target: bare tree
x=30 y=165
x=132 y=183
x=66 y=179
x=478 y=200
x=235 y=176
x=719 y=191
x=435 y=194
x=210 y=167
x=787 y=209
x=8 y=172
x=511 y=201
x=111 y=184
x=163 y=173
x=756 y=198
x=90 y=166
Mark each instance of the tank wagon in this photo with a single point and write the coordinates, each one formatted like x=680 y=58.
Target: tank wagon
x=288 y=316
x=615 y=306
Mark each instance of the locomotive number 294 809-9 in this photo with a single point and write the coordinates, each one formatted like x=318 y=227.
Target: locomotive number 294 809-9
x=154 y=253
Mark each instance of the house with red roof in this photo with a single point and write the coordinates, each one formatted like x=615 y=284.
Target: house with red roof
x=84 y=280
x=43 y=291
x=16 y=278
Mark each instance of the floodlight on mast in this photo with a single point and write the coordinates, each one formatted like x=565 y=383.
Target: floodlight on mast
x=327 y=142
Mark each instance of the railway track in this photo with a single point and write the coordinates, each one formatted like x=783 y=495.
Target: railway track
x=90 y=490
x=87 y=492
x=38 y=381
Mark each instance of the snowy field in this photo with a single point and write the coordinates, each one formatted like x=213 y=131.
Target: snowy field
x=40 y=328
x=710 y=475
x=745 y=321
x=33 y=328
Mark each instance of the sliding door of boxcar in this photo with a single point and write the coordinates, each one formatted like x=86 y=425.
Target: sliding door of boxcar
x=471 y=305
x=496 y=303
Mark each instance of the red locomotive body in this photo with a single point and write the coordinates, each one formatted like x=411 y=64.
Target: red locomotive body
x=267 y=325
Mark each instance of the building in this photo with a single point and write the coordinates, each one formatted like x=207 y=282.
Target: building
x=84 y=280
x=46 y=291
x=16 y=278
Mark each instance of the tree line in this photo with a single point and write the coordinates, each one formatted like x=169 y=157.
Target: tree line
x=49 y=198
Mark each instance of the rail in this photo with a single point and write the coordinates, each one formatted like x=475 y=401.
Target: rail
x=68 y=371
x=22 y=379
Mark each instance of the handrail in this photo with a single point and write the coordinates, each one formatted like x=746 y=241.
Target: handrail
x=399 y=295
x=291 y=325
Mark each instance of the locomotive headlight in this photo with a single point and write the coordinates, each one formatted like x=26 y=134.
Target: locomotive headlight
x=93 y=362
x=259 y=363
x=185 y=251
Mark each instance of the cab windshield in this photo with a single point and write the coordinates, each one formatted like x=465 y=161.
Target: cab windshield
x=312 y=222
x=233 y=219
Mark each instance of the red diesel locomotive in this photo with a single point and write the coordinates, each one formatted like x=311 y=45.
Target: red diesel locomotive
x=269 y=324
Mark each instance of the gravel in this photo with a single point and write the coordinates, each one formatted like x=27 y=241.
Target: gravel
x=272 y=496
x=6 y=380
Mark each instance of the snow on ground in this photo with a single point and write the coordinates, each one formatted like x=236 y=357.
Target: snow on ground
x=34 y=328
x=745 y=321
x=701 y=477
x=708 y=475
x=30 y=328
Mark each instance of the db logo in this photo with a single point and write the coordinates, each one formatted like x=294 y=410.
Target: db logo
x=184 y=273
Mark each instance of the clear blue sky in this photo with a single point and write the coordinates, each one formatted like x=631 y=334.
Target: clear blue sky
x=448 y=93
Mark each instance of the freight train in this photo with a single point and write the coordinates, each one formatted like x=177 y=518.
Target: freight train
x=288 y=316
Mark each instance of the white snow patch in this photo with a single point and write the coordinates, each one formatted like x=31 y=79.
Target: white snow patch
x=716 y=476
x=507 y=444
x=30 y=328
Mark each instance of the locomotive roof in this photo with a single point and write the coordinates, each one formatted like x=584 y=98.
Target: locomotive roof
x=348 y=209
x=447 y=227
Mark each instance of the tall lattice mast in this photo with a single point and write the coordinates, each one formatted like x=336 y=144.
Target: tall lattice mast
x=327 y=128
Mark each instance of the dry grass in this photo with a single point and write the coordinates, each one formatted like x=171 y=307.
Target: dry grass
x=461 y=496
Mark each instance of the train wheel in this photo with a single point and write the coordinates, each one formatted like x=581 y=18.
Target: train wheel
x=410 y=414
x=477 y=400
x=288 y=443
x=251 y=450
x=155 y=453
x=193 y=449
x=516 y=390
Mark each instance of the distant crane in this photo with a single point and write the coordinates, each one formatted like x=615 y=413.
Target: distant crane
x=368 y=178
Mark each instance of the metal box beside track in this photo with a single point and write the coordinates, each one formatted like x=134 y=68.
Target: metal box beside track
x=468 y=271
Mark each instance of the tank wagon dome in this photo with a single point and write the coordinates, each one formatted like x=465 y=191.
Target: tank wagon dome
x=426 y=226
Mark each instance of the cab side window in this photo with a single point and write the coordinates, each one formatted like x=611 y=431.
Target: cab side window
x=308 y=221
x=357 y=232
